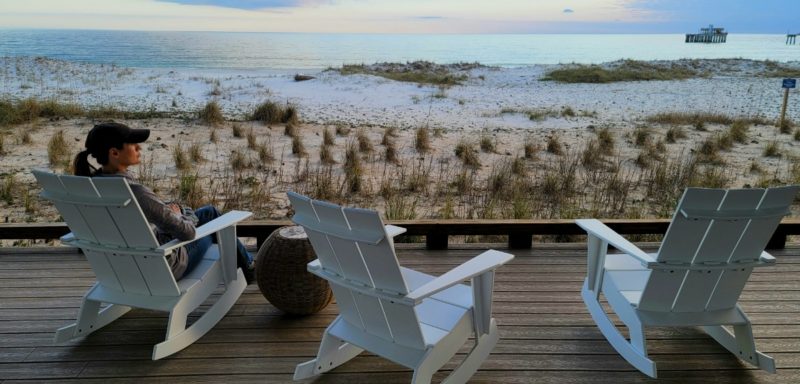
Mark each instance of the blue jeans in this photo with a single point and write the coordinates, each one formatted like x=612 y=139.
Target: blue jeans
x=197 y=249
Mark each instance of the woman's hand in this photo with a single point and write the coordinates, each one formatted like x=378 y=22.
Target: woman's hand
x=175 y=208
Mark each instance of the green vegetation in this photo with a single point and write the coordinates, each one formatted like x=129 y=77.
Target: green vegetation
x=701 y=118
x=467 y=153
x=683 y=118
x=325 y=155
x=786 y=126
x=327 y=137
x=270 y=112
x=353 y=169
x=541 y=114
x=364 y=144
x=265 y=154
x=775 y=69
x=13 y=112
x=738 y=131
x=180 y=158
x=391 y=155
x=420 y=72
x=554 y=145
x=237 y=130
x=196 y=153
x=605 y=141
x=57 y=150
x=422 y=140
x=297 y=146
x=626 y=70
x=772 y=149
x=674 y=133
x=211 y=114
x=487 y=143
x=529 y=148
x=8 y=188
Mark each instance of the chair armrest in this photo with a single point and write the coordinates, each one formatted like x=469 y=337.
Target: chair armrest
x=213 y=226
x=68 y=238
x=596 y=228
x=487 y=261
x=393 y=230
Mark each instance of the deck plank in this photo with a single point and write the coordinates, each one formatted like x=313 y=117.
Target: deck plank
x=546 y=334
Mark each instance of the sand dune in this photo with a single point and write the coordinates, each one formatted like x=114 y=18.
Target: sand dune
x=506 y=106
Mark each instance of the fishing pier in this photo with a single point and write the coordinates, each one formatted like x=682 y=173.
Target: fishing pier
x=708 y=35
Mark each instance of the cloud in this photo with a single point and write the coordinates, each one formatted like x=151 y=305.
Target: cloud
x=249 y=4
x=568 y=10
x=428 y=17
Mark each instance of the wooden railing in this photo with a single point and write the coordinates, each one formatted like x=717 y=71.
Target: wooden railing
x=436 y=232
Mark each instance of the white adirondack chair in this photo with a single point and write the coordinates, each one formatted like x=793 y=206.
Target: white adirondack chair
x=416 y=320
x=715 y=240
x=131 y=268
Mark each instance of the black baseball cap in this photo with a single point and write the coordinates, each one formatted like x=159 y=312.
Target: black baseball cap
x=105 y=136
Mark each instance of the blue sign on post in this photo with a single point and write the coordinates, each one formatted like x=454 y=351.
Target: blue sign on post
x=789 y=83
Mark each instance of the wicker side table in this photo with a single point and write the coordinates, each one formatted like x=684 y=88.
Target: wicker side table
x=282 y=276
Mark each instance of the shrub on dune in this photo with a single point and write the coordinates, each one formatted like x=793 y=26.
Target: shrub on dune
x=211 y=114
x=270 y=112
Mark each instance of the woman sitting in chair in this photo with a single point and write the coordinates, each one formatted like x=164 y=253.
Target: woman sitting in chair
x=115 y=147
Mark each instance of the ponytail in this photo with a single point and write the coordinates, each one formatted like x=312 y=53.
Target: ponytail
x=81 y=166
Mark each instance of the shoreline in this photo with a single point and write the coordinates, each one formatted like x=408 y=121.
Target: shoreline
x=733 y=87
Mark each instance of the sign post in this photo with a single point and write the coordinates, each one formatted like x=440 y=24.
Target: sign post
x=787 y=85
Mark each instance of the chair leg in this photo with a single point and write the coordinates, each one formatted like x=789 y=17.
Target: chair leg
x=483 y=347
x=633 y=354
x=179 y=337
x=90 y=319
x=742 y=344
x=333 y=352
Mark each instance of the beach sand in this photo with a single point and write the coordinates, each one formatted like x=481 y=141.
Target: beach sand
x=493 y=106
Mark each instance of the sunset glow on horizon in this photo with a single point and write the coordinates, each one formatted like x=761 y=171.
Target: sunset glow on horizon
x=409 y=16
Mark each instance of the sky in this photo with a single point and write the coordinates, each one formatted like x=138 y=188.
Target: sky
x=406 y=16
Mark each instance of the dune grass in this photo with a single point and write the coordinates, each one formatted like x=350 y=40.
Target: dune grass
x=14 y=112
x=465 y=151
x=775 y=69
x=211 y=114
x=626 y=70
x=270 y=112
x=422 y=140
x=420 y=72
x=554 y=145
x=701 y=118
x=57 y=150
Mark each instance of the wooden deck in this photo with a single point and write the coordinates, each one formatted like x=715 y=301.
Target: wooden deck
x=546 y=334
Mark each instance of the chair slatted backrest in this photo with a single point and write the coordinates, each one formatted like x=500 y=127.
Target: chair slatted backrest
x=713 y=227
x=105 y=217
x=352 y=247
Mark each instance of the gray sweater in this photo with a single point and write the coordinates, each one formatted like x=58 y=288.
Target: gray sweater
x=166 y=224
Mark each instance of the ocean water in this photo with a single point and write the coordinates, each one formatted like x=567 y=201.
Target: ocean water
x=314 y=50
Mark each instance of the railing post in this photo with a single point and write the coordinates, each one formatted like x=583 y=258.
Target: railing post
x=778 y=240
x=436 y=239
x=520 y=240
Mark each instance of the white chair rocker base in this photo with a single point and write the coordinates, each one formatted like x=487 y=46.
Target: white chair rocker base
x=196 y=287
x=334 y=352
x=740 y=343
